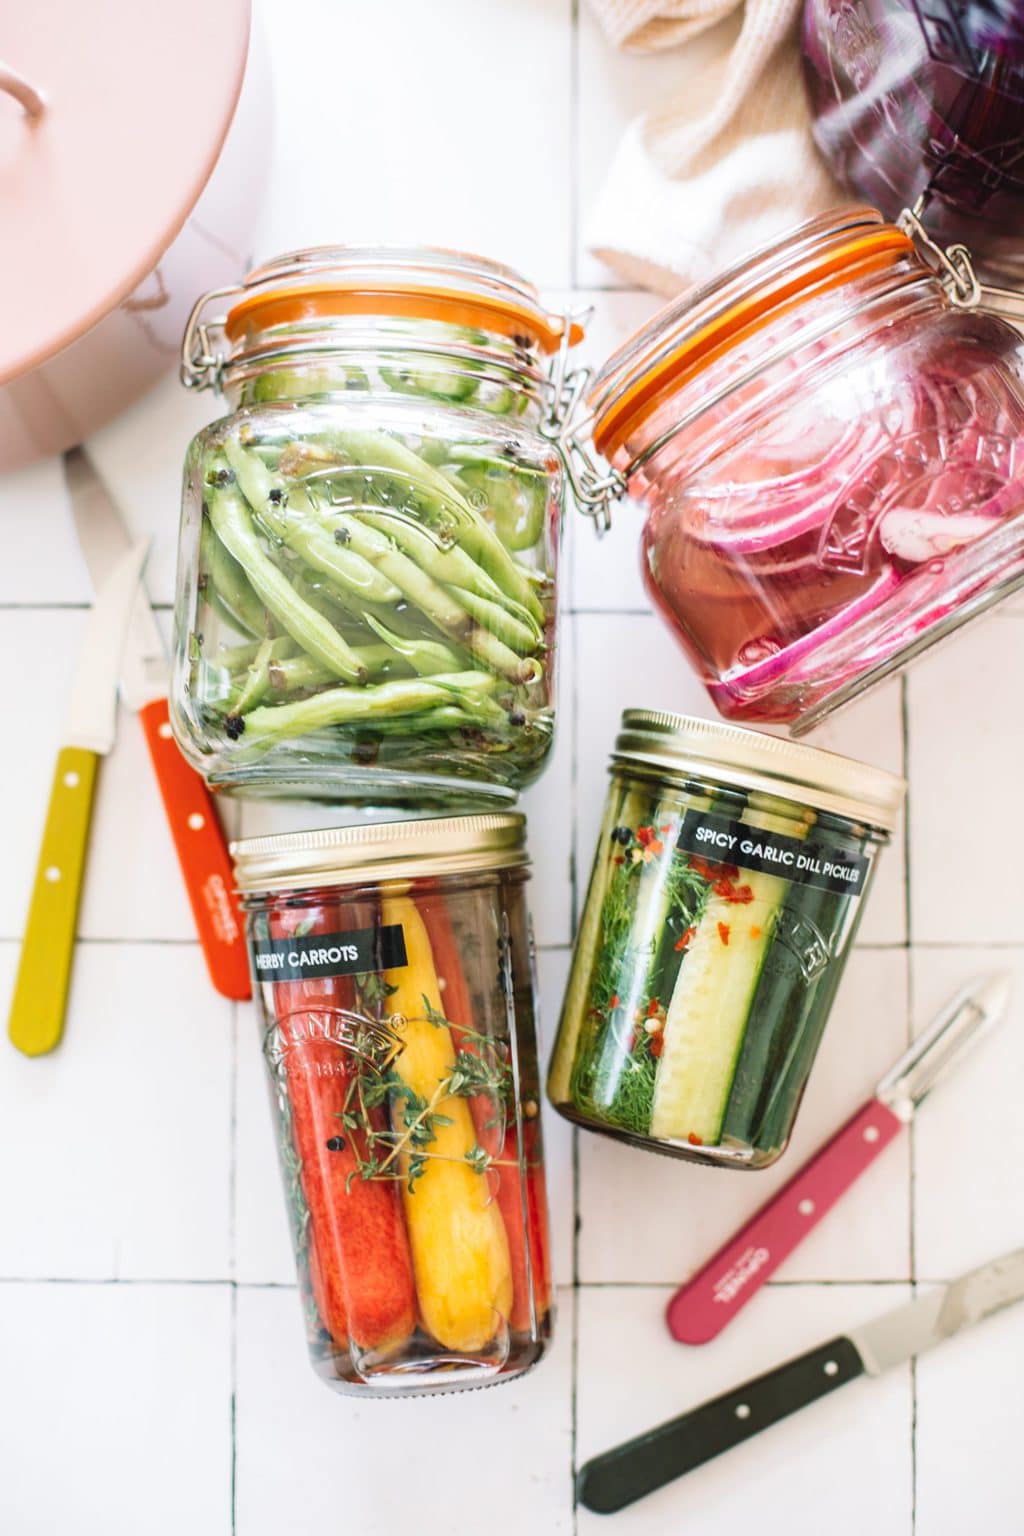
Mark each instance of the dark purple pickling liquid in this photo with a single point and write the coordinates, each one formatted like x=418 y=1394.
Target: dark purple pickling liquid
x=915 y=97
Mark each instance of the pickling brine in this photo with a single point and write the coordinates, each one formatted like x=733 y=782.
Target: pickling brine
x=727 y=885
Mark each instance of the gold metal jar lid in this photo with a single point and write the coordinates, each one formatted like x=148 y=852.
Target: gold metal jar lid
x=387 y=850
x=774 y=765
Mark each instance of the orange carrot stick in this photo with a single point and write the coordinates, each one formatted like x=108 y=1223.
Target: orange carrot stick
x=360 y=1269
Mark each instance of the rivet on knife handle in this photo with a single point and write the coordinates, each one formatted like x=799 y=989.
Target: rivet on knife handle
x=36 y=1021
x=203 y=856
x=701 y=1308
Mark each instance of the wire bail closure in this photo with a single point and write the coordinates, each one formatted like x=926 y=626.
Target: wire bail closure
x=593 y=492
x=954 y=266
x=200 y=365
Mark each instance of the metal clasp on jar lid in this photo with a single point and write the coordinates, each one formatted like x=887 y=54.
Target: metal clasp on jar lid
x=954 y=266
x=593 y=491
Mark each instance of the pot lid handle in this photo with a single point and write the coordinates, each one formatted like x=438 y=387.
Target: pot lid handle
x=23 y=91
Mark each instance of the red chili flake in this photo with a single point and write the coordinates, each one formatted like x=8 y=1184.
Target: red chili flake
x=619 y=859
x=742 y=895
x=683 y=941
x=653 y=1007
x=755 y=931
x=723 y=932
x=723 y=887
x=657 y=1044
x=694 y=1139
x=644 y=835
x=656 y=845
x=613 y=1001
x=667 y=828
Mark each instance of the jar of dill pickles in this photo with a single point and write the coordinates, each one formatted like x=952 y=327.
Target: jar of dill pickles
x=726 y=890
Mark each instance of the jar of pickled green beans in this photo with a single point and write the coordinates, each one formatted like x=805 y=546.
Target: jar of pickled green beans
x=727 y=887
x=366 y=604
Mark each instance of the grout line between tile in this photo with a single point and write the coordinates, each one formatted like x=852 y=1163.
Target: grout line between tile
x=234 y=1406
x=574 y=141
x=913 y=1445
x=581 y=1285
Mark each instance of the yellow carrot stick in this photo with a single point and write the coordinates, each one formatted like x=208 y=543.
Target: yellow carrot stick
x=459 y=1247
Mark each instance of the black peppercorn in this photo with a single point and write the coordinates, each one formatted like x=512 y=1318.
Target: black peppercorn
x=336 y=1144
x=234 y=725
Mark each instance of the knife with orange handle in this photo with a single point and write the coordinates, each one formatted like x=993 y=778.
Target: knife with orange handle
x=191 y=815
x=36 y=1020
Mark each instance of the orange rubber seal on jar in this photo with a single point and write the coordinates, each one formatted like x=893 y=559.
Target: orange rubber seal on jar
x=635 y=403
x=287 y=306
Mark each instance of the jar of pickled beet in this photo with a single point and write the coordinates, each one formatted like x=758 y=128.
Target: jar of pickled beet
x=829 y=446
x=728 y=883
x=393 y=969
x=366 y=599
x=925 y=102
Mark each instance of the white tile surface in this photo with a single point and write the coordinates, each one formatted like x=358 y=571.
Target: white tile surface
x=964 y=702
x=463 y=144
x=117 y=1146
x=116 y=1417
x=552 y=973
x=309 y=1460
x=842 y=1466
x=969 y=1134
x=122 y=1150
x=969 y=1436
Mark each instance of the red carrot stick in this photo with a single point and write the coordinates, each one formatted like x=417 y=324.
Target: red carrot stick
x=360 y=1268
x=527 y=1233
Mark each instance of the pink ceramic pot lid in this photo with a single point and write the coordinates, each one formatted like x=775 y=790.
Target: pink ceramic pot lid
x=98 y=176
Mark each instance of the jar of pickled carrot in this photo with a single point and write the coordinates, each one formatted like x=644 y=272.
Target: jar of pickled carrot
x=366 y=604
x=728 y=882
x=828 y=441
x=393 y=968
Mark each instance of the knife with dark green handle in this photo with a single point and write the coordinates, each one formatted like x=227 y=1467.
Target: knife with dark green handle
x=628 y=1472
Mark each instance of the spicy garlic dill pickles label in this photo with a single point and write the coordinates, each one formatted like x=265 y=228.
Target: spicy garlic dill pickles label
x=804 y=861
x=352 y=953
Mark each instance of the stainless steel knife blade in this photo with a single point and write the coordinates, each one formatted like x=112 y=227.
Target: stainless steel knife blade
x=104 y=539
x=907 y=1331
x=966 y=1018
x=92 y=712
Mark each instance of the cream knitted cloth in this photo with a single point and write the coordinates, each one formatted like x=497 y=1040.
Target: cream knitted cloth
x=722 y=167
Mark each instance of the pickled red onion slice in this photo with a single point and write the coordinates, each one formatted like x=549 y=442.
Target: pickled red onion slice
x=778 y=668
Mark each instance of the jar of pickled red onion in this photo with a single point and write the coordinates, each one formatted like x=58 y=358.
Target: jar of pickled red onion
x=828 y=441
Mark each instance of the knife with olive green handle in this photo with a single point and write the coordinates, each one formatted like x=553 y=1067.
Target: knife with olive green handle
x=36 y=1020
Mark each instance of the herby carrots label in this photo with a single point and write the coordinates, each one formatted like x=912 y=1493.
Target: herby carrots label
x=351 y=953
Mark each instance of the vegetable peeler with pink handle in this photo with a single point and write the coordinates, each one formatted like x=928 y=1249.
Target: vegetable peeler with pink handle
x=701 y=1308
